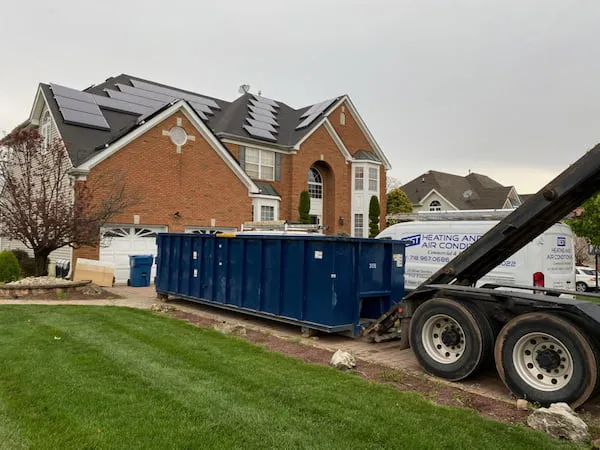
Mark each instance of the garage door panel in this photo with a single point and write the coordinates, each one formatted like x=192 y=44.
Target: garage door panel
x=121 y=242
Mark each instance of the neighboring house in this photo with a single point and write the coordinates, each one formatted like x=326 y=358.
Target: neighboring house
x=440 y=191
x=205 y=164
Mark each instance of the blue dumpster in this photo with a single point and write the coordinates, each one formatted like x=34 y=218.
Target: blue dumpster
x=139 y=270
x=332 y=284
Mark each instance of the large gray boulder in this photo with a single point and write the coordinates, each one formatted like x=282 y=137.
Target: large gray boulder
x=559 y=421
x=343 y=360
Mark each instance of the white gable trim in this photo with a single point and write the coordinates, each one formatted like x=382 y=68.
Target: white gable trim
x=338 y=141
x=37 y=107
x=363 y=127
x=55 y=122
x=430 y=193
x=204 y=131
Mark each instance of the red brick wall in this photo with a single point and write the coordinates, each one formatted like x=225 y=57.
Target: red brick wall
x=196 y=182
x=350 y=133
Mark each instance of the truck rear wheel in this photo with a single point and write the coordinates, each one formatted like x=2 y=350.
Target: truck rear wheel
x=450 y=339
x=545 y=359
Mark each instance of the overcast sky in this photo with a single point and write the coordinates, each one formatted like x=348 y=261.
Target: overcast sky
x=510 y=89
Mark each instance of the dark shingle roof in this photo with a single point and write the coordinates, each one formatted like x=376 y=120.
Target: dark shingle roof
x=366 y=155
x=475 y=191
x=266 y=188
x=227 y=120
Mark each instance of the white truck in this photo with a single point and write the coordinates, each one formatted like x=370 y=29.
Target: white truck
x=434 y=239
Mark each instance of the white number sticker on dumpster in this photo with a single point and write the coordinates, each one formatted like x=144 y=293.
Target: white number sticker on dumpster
x=399 y=259
x=372 y=265
x=318 y=254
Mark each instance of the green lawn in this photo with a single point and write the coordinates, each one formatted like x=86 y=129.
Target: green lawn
x=109 y=377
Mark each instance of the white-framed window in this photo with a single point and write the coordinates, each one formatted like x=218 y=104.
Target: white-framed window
x=265 y=209
x=315 y=183
x=343 y=116
x=46 y=131
x=359 y=178
x=359 y=225
x=373 y=179
x=435 y=206
x=267 y=213
x=260 y=164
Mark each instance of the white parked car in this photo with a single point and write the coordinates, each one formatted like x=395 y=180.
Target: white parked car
x=585 y=278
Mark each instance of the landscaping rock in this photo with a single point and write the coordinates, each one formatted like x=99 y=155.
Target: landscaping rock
x=91 y=289
x=161 y=307
x=343 y=360
x=522 y=404
x=228 y=328
x=559 y=421
x=40 y=281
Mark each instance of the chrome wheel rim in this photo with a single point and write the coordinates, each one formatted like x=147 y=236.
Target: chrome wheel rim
x=443 y=339
x=543 y=361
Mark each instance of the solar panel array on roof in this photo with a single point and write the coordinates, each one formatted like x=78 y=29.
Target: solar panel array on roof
x=262 y=117
x=175 y=93
x=79 y=108
x=313 y=112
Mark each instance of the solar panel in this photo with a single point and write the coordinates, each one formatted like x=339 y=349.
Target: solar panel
x=81 y=118
x=263 y=106
x=135 y=99
x=318 y=108
x=313 y=112
x=76 y=105
x=199 y=110
x=146 y=94
x=266 y=100
x=262 y=125
x=262 y=112
x=261 y=118
x=121 y=106
x=307 y=121
x=73 y=94
x=178 y=94
x=260 y=133
x=201 y=107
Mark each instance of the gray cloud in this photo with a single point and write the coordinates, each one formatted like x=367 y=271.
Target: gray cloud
x=505 y=88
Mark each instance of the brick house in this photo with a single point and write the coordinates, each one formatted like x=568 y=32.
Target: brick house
x=204 y=164
x=441 y=191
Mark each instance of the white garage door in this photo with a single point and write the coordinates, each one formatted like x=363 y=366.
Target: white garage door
x=121 y=241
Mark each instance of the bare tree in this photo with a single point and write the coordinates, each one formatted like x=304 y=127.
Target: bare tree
x=392 y=183
x=43 y=207
x=581 y=251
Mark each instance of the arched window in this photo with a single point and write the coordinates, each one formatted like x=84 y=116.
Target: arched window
x=435 y=206
x=45 y=130
x=315 y=183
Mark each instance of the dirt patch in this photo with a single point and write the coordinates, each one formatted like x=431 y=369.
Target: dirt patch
x=436 y=392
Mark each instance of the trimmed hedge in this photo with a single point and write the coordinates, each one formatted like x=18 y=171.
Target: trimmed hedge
x=26 y=262
x=9 y=267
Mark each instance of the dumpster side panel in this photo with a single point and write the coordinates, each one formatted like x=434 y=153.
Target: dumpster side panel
x=344 y=301
x=236 y=271
x=271 y=282
x=253 y=271
x=293 y=285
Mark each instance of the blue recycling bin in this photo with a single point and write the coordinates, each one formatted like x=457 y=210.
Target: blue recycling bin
x=139 y=270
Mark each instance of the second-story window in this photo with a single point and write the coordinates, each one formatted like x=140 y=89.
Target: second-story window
x=46 y=131
x=373 y=179
x=260 y=164
x=359 y=178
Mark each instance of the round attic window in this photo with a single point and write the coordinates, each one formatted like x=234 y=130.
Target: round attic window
x=178 y=135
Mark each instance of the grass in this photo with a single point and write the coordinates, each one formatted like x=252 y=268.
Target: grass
x=110 y=377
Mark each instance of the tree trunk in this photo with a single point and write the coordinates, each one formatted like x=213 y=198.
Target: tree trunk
x=41 y=262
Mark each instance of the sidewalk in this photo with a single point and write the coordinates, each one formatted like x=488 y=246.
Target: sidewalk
x=385 y=353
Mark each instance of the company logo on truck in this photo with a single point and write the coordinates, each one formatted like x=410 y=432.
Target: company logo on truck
x=561 y=241
x=409 y=241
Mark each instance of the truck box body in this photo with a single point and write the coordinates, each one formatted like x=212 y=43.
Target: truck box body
x=432 y=244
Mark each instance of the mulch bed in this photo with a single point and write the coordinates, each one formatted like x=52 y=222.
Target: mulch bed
x=430 y=390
